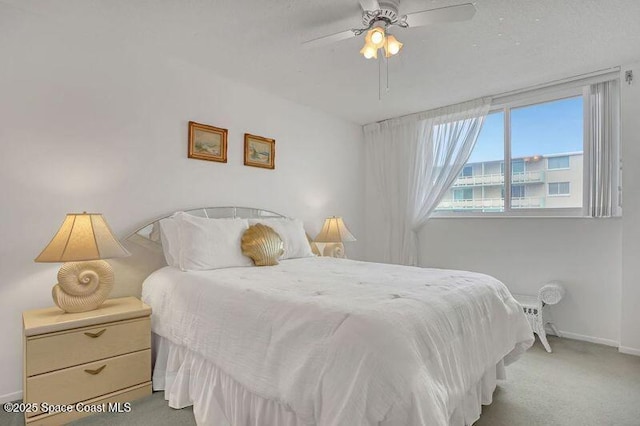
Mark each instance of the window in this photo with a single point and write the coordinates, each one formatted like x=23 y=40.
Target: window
x=462 y=194
x=486 y=168
x=545 y=130
x=517 y=166
x=559 y=188
x=517 y=191
x=540 y=158
x=467 y=171
x=554 y=163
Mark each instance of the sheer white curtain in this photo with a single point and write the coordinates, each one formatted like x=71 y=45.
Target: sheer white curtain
x=414 y=160
x=603 y=149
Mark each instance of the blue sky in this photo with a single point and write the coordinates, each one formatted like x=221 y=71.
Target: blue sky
x=542 y=129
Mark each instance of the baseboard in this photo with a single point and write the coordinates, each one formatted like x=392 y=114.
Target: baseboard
x=629 y=351
x=599 y=340
x=10 y=397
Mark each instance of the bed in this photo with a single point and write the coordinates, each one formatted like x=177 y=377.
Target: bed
x=331 y=342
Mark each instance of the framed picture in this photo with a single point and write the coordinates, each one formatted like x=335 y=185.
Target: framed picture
x=207 y=142
x=259 y=151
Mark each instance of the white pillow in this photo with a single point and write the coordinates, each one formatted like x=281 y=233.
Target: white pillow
x=293 y=236
x=210 y=243
x=170 y=240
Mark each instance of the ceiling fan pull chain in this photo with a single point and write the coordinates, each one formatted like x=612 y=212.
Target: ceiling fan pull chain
x=379 y=79
x=387 y=60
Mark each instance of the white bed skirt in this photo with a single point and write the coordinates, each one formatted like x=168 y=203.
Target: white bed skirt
x=187 y=379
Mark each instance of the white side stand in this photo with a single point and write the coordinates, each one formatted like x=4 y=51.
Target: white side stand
x=534 y=308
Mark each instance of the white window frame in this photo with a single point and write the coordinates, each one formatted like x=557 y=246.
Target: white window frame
x=527 y=99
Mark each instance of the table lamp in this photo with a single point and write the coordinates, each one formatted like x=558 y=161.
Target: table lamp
x=85 y=280
x=334 y=233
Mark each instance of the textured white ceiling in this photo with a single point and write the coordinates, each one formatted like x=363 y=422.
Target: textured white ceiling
x=509 y=44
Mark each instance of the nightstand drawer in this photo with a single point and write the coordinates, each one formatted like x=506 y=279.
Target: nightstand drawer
x=126 y=395
x=90 y=380
x=65 y=349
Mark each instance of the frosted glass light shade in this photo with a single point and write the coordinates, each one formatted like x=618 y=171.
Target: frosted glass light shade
x=368 y=51
x=334 y=231
x=376 y=35
x=392 y=46
x=82 y=236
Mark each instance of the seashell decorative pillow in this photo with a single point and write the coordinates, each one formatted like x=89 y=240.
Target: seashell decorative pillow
x=262 y=244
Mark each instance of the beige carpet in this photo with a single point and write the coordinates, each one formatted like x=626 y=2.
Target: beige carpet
x=579 y=384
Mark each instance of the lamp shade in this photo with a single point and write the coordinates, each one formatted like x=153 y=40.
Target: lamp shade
x=334 y=231
x=81 y=237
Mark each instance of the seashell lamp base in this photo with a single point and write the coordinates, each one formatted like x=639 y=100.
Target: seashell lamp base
x=83 y=286
x=334 y=250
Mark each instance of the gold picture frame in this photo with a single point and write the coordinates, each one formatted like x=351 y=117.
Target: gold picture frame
x=259 y=151
x=207 y=142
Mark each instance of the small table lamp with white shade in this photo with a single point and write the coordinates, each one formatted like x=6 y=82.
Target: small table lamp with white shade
x=334 y=233
x=85 y=280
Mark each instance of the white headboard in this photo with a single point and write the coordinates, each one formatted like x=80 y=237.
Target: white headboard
x=146 y=248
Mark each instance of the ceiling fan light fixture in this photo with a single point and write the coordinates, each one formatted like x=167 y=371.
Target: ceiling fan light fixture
x=377 y=36
x=392 y=46
x=369 y=51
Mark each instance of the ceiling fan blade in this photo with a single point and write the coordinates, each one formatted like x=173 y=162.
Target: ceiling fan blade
x=462 y=12
x=325 y=40
x=369 y=4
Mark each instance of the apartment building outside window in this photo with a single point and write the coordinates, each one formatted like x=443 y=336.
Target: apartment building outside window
x=544 y=144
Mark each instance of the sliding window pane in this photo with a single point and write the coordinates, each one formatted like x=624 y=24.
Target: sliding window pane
x=546 y=154
x=480 y=185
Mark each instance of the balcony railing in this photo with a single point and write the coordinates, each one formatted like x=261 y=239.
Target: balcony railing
x=528 y=177
x=536 y=176
x=491 y=203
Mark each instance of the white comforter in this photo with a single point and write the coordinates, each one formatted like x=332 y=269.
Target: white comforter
x=343 y=342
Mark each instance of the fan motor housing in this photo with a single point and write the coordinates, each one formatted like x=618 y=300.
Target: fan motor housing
x=388 y=13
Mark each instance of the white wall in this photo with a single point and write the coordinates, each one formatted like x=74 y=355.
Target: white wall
x=525 y=253
x=630 y=110
x=597 y=259
x=89 y=125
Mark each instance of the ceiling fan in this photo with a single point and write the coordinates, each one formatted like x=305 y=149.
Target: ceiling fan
x=379 y=15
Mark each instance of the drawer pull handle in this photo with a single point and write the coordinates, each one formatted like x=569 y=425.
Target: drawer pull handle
x=94 y=335
x=96 y=371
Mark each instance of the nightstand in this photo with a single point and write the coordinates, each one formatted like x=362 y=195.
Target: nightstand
x=94 y=358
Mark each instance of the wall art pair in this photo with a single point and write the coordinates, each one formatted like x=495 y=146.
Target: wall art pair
x=210 y=143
